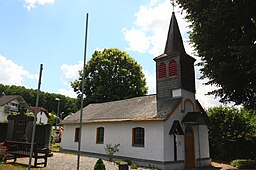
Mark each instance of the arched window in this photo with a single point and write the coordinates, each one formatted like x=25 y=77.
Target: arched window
x=161 y=70
x=172 y=68
x=138 y=136
x=100 y=135
x=188 y=105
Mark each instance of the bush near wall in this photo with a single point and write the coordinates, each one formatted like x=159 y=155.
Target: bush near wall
x=244 y=164
x=231 y=134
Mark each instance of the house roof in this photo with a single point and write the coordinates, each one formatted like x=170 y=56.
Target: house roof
x=8 y=98
x=174 y=43
x=133 y=109
x=174 y=40
x=196 y=118
x=40 y=109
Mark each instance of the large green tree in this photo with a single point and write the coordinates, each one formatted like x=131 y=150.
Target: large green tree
x=224 y=36
x=111 y=75
x=230 y=130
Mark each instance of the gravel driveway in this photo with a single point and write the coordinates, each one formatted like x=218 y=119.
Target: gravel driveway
x=64 y=161
x=61 y=161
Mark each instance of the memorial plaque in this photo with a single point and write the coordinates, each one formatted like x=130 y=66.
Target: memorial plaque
x=19 y=130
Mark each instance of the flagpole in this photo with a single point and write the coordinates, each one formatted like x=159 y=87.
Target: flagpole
x=82 y=96
x=34 y=122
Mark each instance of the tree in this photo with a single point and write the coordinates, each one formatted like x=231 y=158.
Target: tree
x=111 y=75
x=229 y=131
x=99 y=165
x=67 y=105
x=224 y=36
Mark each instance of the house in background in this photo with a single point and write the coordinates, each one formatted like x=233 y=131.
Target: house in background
x=168 y=130
x=42 y=115
x=11 y=103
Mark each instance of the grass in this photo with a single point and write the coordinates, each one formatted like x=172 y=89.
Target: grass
x=56 y=147
x=17 y=166
x=4 y=166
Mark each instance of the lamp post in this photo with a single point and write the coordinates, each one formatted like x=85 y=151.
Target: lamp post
x=58 y=109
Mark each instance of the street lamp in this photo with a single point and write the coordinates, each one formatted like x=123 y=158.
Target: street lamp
x=58 y=109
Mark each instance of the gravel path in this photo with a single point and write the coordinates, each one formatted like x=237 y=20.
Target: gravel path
x=64 y=161
x=61 y=161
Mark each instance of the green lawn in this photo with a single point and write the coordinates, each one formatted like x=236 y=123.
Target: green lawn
x=4 y=166
x=56 y=147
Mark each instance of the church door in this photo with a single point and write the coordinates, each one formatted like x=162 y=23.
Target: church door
x=189 y=147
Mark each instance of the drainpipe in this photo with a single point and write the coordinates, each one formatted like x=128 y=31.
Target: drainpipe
x=199 y=151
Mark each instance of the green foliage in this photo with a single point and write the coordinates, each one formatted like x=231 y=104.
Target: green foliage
x=135 y=165
x=118 y=162
x=53 y=118
x=111 y=150
x=228 y=133
x=244 y=164
x=224 y=35
x=47 y=100
x=99 y=165
x=111 y=75
x=29 y=114
x=24 y=138
x=26 y=114
x=128 y=161
x=153 y=167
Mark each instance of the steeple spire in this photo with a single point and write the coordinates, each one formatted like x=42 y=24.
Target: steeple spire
x=174 y=41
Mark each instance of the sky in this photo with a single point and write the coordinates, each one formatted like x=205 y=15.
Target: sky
x=51 y=32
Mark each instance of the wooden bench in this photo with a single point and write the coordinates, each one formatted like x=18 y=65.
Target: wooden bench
x=22 y=149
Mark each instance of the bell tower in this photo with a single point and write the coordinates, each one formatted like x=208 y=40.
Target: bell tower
x=175 y=75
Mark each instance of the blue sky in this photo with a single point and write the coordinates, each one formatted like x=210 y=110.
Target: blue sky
x=51 y=32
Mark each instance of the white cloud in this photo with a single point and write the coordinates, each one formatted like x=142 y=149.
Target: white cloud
x=151 y=82
x=151 y=26
x=148 y=35
x=70 y=73
x=13 y=74
x=30 y=4
x=67 y=92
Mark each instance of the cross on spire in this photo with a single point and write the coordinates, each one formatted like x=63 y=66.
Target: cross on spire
x=173 y=4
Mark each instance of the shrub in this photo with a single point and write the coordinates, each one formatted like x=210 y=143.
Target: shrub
x=111 y=150
x=99 y=165
x=244 y=164
x=135 y=165
x=128 y=161
x=118 y=162
x=230 y=131
x=3 y=152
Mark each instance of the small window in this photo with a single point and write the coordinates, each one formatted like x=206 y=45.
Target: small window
x=100 y=135
x=138 y=137
x=162 y=71
x=77 y=132
x=172 y=68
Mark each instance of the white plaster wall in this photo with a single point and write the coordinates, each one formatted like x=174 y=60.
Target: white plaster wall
x=177 y=115
x=204 y=142
x=68 y=135
x=43 y=117
x=3 y=115
x=168 y=139
x=119 y=133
